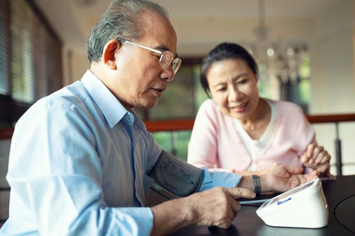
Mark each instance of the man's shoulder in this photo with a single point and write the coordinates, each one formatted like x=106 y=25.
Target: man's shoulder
x=66 y=107
x=64 y=99
x=73 y=94
x=67 y=98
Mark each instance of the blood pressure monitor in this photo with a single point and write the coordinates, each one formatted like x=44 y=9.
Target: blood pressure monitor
x=303 y=207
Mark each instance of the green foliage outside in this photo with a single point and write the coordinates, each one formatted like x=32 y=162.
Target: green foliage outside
x=181 y=140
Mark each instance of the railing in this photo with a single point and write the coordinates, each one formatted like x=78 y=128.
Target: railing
x=179 y=125
x=187 y=124
x=6 y=133
x=176 y=125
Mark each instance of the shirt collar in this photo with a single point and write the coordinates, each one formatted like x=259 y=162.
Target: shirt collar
x=109 y=105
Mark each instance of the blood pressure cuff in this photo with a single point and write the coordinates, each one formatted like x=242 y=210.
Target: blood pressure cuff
x=176 y=176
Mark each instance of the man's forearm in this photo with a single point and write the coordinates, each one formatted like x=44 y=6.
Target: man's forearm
x=171 y=216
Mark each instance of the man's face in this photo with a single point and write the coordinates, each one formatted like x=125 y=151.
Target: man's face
x=139 y=81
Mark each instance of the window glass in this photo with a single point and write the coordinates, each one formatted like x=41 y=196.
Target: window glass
x=30 y=59
x=199 y=92
x=4 y=49
x=178 y=100
x=174 y=142
x=22 y=51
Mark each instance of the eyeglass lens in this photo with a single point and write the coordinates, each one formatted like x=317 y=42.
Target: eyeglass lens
x=167 y=58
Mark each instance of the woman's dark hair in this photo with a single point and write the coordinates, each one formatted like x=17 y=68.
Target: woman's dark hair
x=221 y=52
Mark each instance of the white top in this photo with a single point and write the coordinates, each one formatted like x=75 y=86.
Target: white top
x=252 y=146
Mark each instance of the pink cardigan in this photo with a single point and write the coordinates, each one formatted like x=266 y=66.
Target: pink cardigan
x=216 y=144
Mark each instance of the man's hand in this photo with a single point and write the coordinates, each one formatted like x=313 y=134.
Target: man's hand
x=217 y=206
x=283 y=178
x=317 y=158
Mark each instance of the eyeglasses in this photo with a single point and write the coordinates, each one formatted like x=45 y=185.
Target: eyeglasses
x=166 y=57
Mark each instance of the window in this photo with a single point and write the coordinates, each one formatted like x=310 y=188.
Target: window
x=30 y=54
x=4 y=48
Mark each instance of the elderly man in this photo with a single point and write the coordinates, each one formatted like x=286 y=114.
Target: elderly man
x=81 y=159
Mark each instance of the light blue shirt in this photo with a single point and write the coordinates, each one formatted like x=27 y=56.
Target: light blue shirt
x=78 y=165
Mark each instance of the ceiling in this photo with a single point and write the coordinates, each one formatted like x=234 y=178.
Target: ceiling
x=72 y=20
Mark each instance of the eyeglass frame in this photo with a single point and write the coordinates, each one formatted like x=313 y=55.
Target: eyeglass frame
x=158 y=52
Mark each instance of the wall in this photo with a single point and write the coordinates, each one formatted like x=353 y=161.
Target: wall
x=333 y=56
x=333 y=79
x=202 y=35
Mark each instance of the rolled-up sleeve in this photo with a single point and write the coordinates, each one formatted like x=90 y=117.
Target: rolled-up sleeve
x=219 y=179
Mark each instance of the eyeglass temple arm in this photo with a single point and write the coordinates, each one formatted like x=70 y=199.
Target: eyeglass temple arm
x=121 y=40
x=138 y=45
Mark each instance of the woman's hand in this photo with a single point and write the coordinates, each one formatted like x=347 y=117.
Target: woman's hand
x=282 y=178
x=317 y=158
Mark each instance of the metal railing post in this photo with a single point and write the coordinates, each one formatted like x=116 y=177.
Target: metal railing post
x=173 y=144
x=338 y=160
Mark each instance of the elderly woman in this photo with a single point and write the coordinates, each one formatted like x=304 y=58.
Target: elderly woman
x=239 y=131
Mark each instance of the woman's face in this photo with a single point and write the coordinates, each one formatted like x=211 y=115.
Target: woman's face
x=233 y=86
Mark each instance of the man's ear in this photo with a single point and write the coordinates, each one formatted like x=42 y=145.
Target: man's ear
x=108 y=54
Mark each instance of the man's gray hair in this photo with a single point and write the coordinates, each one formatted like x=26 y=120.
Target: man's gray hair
x=120 y=20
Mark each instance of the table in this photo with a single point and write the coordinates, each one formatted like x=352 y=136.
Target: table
x=340 y=194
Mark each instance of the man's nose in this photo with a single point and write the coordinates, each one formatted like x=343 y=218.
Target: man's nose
x=168 y=74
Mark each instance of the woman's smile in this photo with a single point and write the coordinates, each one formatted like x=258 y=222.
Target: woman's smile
x=239 y=108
